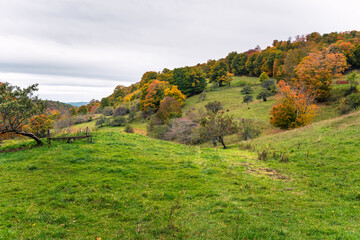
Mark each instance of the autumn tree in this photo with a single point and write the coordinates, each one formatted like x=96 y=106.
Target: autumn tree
x=219 y=74
x=317 y=70
x=82 y=110
x=295 y=108
x=156 y=92
x=39 y=124
x=148 y=77
x=17 y=107
x=169 y=108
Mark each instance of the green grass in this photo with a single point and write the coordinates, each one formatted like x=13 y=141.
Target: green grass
x=128 y=186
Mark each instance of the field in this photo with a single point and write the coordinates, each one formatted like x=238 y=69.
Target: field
x=128 y=186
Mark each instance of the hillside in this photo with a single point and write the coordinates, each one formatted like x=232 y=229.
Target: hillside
x=126 y=186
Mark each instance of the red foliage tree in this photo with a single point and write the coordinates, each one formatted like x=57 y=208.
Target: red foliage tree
x=295 y=109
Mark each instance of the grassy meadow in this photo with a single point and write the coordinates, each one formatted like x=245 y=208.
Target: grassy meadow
x=129 y=186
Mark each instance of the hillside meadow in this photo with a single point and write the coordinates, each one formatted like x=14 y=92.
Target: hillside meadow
x=128 y=186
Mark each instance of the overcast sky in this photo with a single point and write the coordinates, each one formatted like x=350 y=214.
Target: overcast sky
x=78 y=50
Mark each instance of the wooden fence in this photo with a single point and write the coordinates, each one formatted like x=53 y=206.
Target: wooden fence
x=68 y=135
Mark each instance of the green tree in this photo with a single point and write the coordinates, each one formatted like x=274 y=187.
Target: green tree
x=105 y=102
x=190 y=80
x=264 y=94
x=247 y=99
x=263 y=77
x=215 y=126
x=17 y=107
x=238 y=64
x=229 y=60
x=353 y=79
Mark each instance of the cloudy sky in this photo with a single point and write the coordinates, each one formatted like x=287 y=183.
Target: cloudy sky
x=78 y=50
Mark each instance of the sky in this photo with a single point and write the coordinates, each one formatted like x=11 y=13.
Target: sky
x=78 y=50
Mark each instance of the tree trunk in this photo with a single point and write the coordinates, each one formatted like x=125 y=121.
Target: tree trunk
x=221 y=140
x=33 y=136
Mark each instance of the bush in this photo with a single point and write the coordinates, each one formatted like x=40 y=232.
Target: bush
x=100 y=121
x=202 y=96
x=118 y=121
x=214 y=106
x=264 y=94
x=129 y=129
x=247 y=99
x=64 y=122
x=248 y=130
x=131 y=116
x=80 y=119
x=246 y=90
x=269 y=84
x=99 y=110
x=120 y=111
x=182 y=130
x=353 y=100
x=155 y=128
x=108 y=111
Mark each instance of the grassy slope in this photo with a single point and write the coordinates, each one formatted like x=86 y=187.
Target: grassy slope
x=126 y=186
x=131 y=187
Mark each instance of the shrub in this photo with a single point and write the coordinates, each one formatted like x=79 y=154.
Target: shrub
x=264 y=94
x=182 y=130
x=80 y=119
x=131 y=116
x=65 y=122
x=108 y=111
x=270 y=85
x=129 y=129
x=100 y=121
x=118 y=121
x=120 y=111
x=155 y=128
x=247 y=99
x=202 y=96
x=248 y=130
x=353 y=100
x=246 y=90
x=214 y=107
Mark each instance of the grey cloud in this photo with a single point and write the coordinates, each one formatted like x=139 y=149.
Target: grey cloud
x=115 y=41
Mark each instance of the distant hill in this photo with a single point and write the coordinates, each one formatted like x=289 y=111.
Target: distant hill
x=56 y=105
x=77 y=104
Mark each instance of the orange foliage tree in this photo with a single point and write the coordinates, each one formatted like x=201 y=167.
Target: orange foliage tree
x=156 y=91
x=169 y=107
x=295 y=109
x=39 y=125
x=317 y=70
